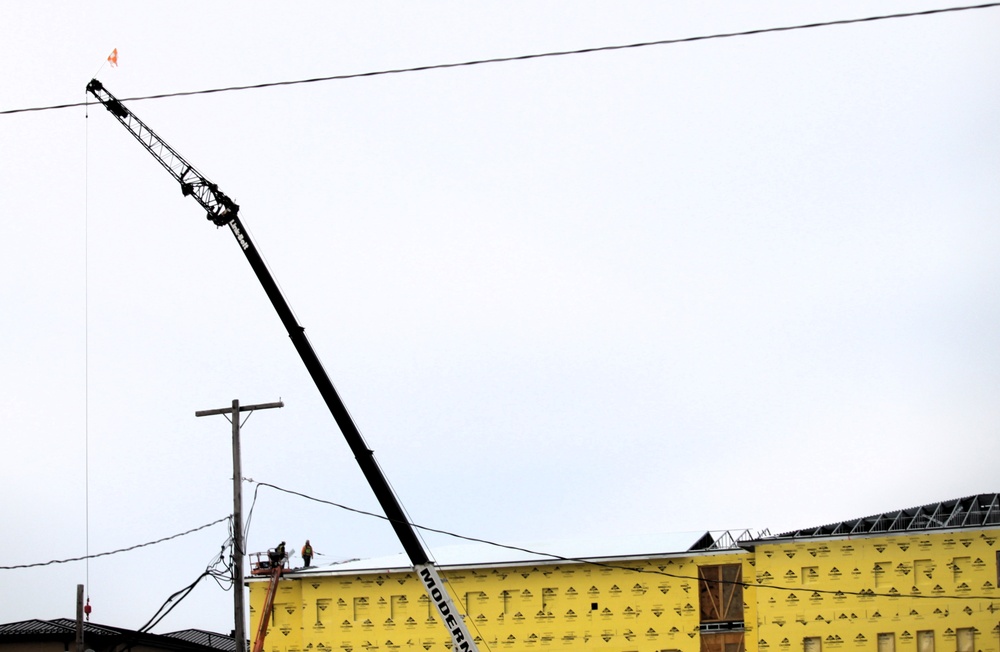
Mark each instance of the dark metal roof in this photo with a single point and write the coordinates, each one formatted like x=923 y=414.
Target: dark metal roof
x=972 y=511
x=208 y=639
x=54 y=628
x=32 y=627
x=101 y=637
x=88 y=627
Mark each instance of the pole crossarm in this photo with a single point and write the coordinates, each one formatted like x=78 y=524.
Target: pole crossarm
x=242 y=408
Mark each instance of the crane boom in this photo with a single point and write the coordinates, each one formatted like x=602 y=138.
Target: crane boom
x=223 y=211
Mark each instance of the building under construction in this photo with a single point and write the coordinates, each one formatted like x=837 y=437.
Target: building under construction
x=922 y=578
x=915 y=580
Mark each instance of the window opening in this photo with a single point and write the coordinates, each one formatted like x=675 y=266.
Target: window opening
x=925 y=641
x=720 y=593
x=965 y=639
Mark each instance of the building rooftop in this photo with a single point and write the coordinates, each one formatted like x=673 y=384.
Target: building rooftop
x=101 y=637
x=485 y=554
x=972 y=511
x=213 y=640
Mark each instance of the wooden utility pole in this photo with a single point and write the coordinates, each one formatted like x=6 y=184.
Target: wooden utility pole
x=79 y=618
x=239 y=605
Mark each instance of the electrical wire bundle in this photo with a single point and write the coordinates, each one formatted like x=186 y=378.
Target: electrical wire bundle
x=220 y=569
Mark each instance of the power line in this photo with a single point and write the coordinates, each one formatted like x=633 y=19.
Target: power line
x=162 y=612
x=524 y=57
x=176 y=598
x=211 y=570
x=864 y=593
x=115 y=552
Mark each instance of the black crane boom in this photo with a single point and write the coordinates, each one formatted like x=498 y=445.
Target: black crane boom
x=193 y=183
x=223 y=211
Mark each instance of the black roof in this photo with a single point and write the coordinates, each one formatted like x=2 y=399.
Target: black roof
x=213 y=640
x=27 y=627
x=102 y=637
x=969 y=512
x=56 y=627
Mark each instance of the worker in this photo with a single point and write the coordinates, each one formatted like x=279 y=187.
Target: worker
x=277 y=555
x=307 y=554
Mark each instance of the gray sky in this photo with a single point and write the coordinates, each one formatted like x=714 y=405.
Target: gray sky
x=739 y=283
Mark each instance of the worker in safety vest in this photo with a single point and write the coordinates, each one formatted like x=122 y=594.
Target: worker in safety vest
x=307 y=554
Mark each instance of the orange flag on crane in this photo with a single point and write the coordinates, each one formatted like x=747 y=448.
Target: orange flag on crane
x=113 y=58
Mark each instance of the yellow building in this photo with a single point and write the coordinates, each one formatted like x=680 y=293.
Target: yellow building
x=917 y=580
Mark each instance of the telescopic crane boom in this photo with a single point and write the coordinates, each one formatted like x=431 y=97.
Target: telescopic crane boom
x=223 y=211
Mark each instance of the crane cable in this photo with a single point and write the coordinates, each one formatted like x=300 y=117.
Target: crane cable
x=86 y=353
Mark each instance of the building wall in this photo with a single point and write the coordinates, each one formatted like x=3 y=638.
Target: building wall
x=653 y=605
x=925 y=571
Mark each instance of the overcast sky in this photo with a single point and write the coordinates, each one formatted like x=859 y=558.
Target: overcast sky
x=739 y=283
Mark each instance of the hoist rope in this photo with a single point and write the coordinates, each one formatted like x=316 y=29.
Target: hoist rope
x=86 y=347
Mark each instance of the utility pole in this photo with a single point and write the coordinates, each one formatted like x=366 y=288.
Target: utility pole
x=79 y=618
x=239 y=605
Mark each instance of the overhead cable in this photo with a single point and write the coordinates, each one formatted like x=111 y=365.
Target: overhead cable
x=115 y=552
x=211 y=570
x=865 y=593
x=526 y=57
x=173 y=601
